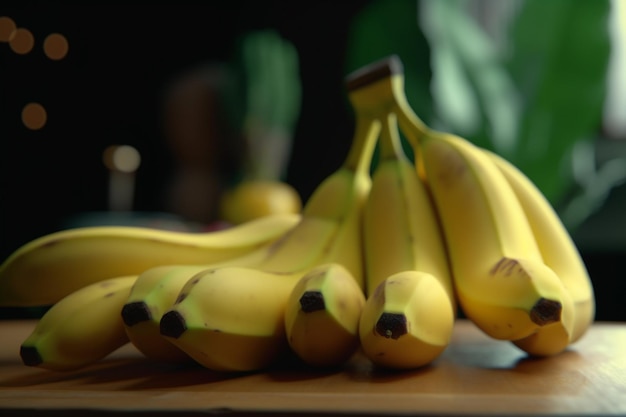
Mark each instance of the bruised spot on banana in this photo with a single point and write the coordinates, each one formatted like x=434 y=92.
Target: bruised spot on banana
x=544 y=311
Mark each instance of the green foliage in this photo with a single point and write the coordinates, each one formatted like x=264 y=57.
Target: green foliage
x=266 y=86
x=559 y=63
x=532 y=92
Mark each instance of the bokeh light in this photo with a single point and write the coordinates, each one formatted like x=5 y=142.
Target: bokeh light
x=22 y=41
x=122 y=158
x=7 y=28
x=55 y=46
x=34 y=116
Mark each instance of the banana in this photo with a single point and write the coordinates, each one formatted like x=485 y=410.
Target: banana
x=401 y=227
x=322 y=316
x=501 y=281
x=231 y=318
x=86 y=255
x=407 y=321
x=81 y=328
x=151 y=296
x=402 y=233
x=560 y=253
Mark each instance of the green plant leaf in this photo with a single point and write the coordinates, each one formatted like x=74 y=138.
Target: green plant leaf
x=473 y=93
x=559 y=59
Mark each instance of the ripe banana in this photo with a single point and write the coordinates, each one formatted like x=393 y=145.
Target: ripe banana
x=232 y=317
x=86 y=255
x=402 y=233
x=407 y=321
x=401 y=227
x=151 y=296
x=322 y=316
x=501 y=281
x=560 y=253
x=81 y=328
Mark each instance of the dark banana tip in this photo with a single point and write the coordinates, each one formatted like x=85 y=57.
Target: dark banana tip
x=392 y=325
x=30 y=356
x=136 y=312
x=373 y=72
x=545 y=312
x=312 y=301
x=172 y=324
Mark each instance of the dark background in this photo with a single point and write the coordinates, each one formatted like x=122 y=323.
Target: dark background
x=108 y=90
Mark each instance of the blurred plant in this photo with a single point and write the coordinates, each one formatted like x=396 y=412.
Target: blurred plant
x=263 y=100
x=525 y=78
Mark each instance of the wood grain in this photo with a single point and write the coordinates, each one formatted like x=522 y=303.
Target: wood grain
x=475 y=375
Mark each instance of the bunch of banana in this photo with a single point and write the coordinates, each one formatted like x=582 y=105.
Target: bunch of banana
x=517 y=273
x=46 y=269
x=232 y=317
x=378 y=260
x=227 y=314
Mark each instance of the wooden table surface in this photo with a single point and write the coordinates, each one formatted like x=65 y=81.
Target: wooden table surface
x=475 y=375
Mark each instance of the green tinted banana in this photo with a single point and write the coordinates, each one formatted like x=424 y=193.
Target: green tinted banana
x=231 y=318
x=81 y=328
x=46 y=269
x=407 y=321
x=560 y=253
x=322 y=316
x=151 y=296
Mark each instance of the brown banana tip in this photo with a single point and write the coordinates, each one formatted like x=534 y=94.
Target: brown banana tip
x=545 y=312
x=172 y=324
x=312 y=301
x=392 y=325
x=136 y=312
x=373 y=72
x=30 y=356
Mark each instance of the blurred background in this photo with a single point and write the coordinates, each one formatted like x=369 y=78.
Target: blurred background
x=143 y=115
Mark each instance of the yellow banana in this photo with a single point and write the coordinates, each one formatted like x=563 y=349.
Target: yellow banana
x=403 y=240
x=46 y=269
x=81 y=328
x=501 y=280
x=407 y=321
x=151 y=296
x=231 y=318
x=401 y=227
x=322 y=316
x=402 y=233
x=560 y=253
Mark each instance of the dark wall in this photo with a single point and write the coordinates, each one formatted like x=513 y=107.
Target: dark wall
x=108 y=90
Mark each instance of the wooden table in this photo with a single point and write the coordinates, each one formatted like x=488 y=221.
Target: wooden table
x=475 y=375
